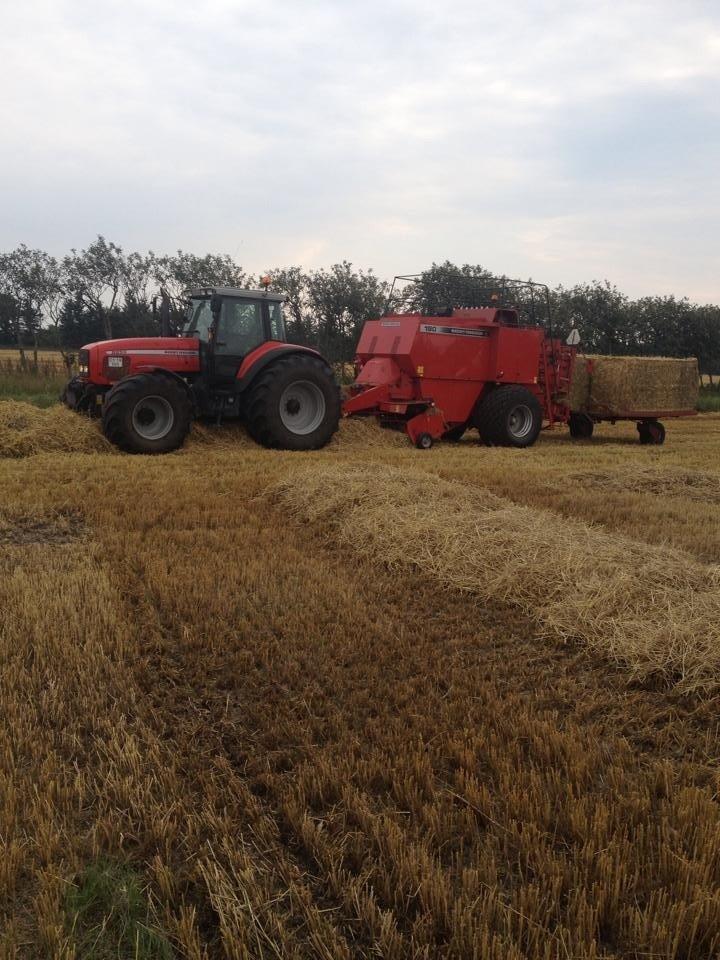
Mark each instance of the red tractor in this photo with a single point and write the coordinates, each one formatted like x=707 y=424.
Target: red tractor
x=229 y=361
x=488 y=366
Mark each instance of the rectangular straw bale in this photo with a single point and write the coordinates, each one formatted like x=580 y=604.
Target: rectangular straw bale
x=626 y=385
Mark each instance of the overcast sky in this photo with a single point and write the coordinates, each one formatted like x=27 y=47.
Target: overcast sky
x=560 y=139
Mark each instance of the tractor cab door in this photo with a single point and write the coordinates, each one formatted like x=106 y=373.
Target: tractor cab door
x=241 y=326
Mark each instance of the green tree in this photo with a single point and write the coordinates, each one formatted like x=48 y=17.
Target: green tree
x=599 y=311
x=175 y=274
x=443 y=286
x=340 y=300
x=702 y=338
x=293 y=282
x=33 y=281
x=658 y=326
x=95 y=276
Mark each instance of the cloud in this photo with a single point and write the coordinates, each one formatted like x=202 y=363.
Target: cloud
x=566 y=140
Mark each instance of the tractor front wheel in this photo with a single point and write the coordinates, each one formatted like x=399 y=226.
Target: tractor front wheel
x=294 y=404
x=147 y=413
x=509 y=416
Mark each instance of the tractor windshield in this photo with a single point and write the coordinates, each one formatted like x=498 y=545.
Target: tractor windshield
x=198 y=319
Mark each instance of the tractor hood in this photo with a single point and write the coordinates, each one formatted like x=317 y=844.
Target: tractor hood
x=136 y=344
x=106 y=361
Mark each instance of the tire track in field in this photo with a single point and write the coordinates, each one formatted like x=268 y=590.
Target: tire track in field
x=267 y=725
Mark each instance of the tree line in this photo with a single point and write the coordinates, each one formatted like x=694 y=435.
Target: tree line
x=102 y=292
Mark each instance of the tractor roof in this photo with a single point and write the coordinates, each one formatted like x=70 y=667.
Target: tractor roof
x=235 y=292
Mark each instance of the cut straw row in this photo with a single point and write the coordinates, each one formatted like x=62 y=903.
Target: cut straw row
x=654 y=610
x=26 y=430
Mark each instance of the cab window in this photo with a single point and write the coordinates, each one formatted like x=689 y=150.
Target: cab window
x=277 y=327
x=240 y=329
x=198 y=319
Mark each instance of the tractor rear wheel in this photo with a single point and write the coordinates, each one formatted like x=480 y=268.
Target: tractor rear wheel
x=147 y=413
x=294 y=404
x=509 y=416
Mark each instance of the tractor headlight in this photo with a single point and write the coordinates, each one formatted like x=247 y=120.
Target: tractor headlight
x=84 y=363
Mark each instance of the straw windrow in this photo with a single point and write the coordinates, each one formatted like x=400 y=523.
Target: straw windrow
x=26 y=430
x=656 y=611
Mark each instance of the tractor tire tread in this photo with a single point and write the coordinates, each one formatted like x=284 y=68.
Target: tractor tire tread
x=261 y=418
x=114 y=409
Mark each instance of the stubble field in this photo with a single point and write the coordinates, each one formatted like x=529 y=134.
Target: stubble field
x=365 y=702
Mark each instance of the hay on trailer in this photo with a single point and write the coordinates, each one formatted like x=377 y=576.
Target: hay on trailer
x=26 y=430
x=654 y=610
x=607 y=385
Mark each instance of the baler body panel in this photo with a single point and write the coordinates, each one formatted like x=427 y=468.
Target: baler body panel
x=517 y=355
x=416 y=367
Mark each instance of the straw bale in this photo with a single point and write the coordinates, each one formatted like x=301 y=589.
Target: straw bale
x=26 y=430
x=634 y=384
x=654 y=610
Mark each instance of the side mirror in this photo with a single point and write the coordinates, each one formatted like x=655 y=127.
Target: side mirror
x=573 y=338
x=215 y=304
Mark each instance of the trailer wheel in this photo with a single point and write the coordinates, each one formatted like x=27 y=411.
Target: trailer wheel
x=509 y=416
x=651 y=431
x=294 y=404
x=581 y=426
x=147 y=413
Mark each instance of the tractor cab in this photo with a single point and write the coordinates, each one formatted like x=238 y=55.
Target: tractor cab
x=230 y=323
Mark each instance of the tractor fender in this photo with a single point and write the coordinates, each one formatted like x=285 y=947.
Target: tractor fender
x=251 y=366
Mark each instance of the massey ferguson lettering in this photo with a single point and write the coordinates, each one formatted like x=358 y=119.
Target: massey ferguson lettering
x=453 y=331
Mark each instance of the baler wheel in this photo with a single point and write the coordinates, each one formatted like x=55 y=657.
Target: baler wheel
x=294 y=404
x=424 y=441
x=509 y=416
x=147 y=413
